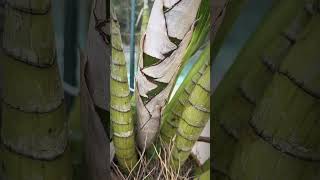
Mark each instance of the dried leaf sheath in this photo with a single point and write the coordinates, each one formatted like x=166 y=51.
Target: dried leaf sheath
x=193 y=119
x=174 y=109
x=200 y=33
x=121 y=117
x=167 y=36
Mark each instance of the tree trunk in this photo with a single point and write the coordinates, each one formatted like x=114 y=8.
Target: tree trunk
x=34 y=141
x=173 y=110
x=263 y=86
x=193 y=119
x=176 y=106
x=283 y=126
x=121 y=116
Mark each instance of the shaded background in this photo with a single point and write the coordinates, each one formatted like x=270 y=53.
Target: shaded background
x=245 y=24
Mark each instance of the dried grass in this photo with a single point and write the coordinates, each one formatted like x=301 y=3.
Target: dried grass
x=156 y=168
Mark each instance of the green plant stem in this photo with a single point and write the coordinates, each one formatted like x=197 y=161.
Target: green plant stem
x=121 y=116
x=175 y=107
x=193 y=120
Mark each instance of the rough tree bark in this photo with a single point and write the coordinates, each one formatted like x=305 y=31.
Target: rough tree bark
x=283 y=125
x=269 y=87
x=34 y=141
